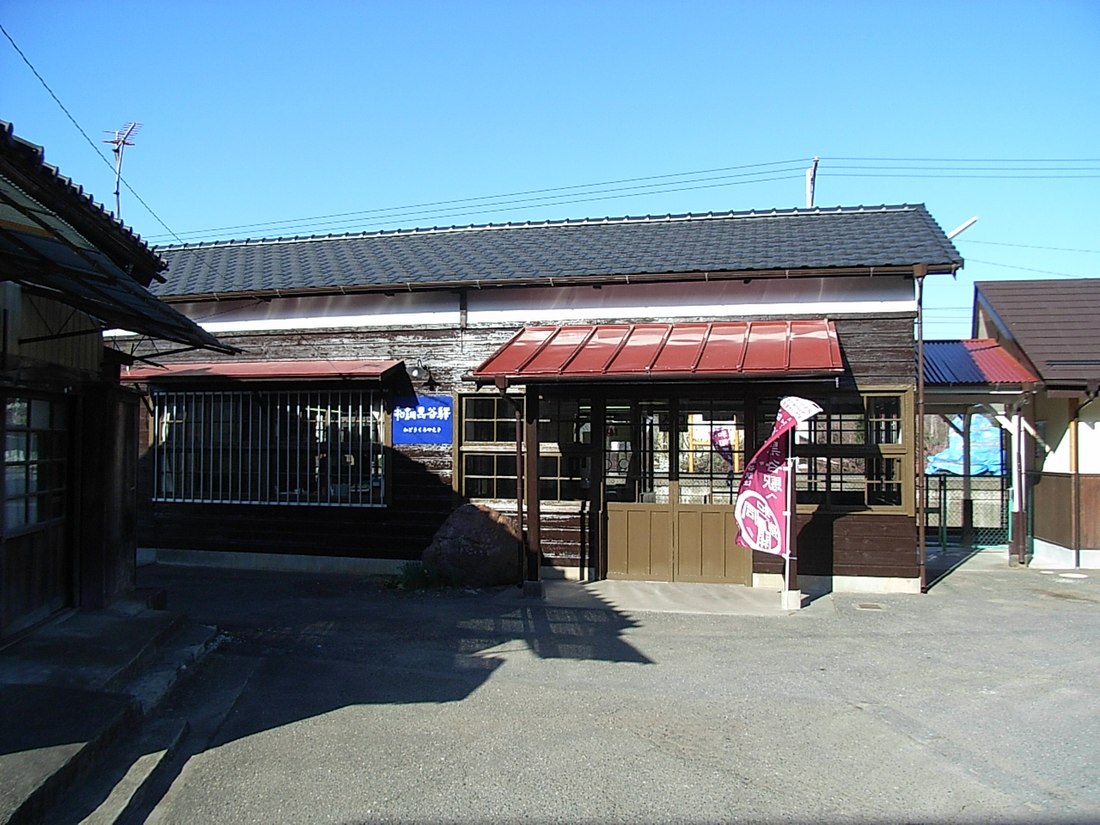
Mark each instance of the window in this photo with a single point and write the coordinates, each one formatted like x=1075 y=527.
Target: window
x=36 y=446
x=853 y=454
x=712 y=451
x=488 y=448
x=282 y=447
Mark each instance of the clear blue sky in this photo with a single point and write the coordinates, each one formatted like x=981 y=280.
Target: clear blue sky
x=265 y=113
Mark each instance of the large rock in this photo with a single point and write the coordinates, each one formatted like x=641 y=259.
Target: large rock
x=475 y=547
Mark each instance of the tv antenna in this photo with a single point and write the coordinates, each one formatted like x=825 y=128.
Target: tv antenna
x=120 y=140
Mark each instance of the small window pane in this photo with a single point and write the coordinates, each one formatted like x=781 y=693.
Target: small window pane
x=15 y=514
x=15 y=447
x=884 y=419
x=40 y=414
x=17 y=412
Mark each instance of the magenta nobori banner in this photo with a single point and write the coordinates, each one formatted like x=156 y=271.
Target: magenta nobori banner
x=761 y=504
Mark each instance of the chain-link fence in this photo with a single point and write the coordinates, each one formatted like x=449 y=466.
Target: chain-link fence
x=944 y=510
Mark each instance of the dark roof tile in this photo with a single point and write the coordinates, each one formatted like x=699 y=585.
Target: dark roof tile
x=839 y=238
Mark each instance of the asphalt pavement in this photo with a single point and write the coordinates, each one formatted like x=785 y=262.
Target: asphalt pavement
x=332 y=699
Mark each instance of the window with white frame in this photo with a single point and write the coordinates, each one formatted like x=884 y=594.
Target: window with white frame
x=315 y=447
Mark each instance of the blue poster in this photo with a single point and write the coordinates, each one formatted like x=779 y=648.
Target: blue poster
x=423 y=419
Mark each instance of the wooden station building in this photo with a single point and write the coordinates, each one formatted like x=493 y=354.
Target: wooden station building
x=607 y=378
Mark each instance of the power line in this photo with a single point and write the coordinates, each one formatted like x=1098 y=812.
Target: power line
x=1026 y=269
x=80 y=129
x=547 y=200
x=1033 y=246
x=969 y=160
x=972 y=177
x=56 y=99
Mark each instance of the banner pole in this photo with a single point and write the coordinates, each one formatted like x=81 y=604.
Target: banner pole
x=792 y=596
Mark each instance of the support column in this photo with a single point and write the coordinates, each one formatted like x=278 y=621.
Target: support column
x=532 y=585
x=967 y=492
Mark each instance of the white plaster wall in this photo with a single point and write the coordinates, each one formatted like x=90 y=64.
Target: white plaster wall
x=812 y=297
x=1056 y=413
x=1088 y=436
x=1052 y=419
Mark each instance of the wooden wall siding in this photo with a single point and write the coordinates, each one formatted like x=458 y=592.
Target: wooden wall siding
x=38 y=317
x=851 y=544
x=36 y=577
x=1052 y=499
x=878 y=350
x=420 y=498
x=1052 y=505
x=107 y=496
x=1090 y=512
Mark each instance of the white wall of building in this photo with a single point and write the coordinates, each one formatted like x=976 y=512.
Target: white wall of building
x=502 y=306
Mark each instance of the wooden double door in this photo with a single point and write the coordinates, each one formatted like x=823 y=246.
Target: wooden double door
x=675 y=542
x=669 y=479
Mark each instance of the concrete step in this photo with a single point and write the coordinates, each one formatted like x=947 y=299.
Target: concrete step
x=76 y=688
x=128 y=770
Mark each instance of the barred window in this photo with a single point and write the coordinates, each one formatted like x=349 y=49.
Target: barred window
x=36 y=448
x=269 y=447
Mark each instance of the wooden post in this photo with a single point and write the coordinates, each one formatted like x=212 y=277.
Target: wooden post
x=967 y=491
x=532 y=585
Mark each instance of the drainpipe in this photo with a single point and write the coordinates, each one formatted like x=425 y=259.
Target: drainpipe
x=1075 y=468
x=919 y=273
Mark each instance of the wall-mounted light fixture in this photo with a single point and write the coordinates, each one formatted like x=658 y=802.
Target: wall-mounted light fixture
x=420 y=372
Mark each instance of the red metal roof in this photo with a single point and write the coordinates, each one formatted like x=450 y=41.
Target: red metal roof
x=972 y=361
x=264 y=370
x=682 y=350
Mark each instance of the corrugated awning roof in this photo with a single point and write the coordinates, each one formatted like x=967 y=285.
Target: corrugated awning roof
x=672 y=351
x=266 y=370
x=57 y=243
x=972 y=361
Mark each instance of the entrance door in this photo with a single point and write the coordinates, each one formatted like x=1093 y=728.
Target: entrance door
x=669 y=485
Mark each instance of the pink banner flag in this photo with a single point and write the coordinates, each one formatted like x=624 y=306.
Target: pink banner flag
x=761 y=509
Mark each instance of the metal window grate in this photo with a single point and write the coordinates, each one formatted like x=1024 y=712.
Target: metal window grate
x=289 y=448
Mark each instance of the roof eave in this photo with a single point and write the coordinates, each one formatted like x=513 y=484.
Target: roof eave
x=590 y=280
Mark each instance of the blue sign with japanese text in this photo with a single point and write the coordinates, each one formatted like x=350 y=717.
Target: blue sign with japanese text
x=423 y=419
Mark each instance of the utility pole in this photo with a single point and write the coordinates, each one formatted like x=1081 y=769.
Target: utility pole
x=120 y=139
x=811 y=179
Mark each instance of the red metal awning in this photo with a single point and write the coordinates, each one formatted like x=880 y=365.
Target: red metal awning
x=265 y=370
x=674 y=351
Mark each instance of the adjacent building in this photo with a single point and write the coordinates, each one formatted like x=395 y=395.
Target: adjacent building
x=68 y=272
x=1050 y=326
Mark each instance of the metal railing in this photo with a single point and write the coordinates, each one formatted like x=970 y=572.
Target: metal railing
x=944 y=510
x=271 y=447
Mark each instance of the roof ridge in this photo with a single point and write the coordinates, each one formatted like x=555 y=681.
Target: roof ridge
x=547 y=224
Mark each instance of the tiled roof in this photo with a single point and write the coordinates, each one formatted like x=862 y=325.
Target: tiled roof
x=57 y=242
x=1052 y=321
x=974 y=361
x=26 y=165
x=796 y=241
